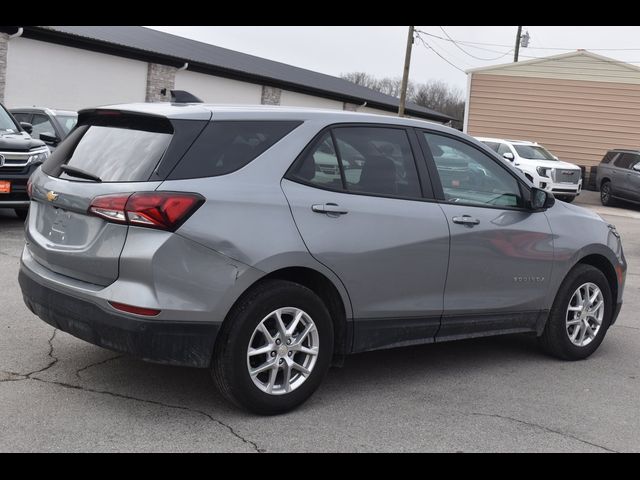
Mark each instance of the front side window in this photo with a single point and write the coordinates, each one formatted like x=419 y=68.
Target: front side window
x=366 y=160
x=533 y=152
x=67 y=122
x=492 y=145
x=6 y=122
x=626 y=160
x=469 y=176
x=504 y=148
x=41 y=124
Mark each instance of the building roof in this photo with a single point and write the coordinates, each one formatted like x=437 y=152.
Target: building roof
x=578 y=65
x=152 y=45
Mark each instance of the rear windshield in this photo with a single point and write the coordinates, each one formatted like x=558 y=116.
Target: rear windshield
x=118 y=149
x=226 y=146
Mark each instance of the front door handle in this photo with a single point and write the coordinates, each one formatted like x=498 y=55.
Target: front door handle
x=466 y=220
x=331 y=209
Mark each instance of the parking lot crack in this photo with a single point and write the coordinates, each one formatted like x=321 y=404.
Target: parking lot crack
x=53 y=358
x=102 y=362
x=542 y=427
x=250 y=443
x=5 y=254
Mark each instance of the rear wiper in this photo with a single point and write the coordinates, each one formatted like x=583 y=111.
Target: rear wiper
x=76 y=172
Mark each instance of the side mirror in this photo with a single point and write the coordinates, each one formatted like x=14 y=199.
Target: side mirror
x=27 y=127
x=541 y=200
x=49 y=138
x=636 y=167
x=509 y=156
x=556 y=158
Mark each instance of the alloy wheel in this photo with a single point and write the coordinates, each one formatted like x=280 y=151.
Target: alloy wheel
x=283 y=351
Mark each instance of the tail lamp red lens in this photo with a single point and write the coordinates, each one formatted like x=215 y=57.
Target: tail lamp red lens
x=160 y=210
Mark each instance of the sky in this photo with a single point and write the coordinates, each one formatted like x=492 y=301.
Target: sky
x=380 y=50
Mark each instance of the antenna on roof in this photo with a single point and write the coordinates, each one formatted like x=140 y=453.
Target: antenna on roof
x=181 y=96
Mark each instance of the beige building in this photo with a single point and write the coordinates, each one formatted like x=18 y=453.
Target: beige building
x=577 y=104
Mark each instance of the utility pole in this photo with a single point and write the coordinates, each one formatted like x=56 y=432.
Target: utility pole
x=405 y=74
x=517 y=49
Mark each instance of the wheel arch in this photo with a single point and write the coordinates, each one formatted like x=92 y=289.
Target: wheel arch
x=328 y=292
x=603 y=264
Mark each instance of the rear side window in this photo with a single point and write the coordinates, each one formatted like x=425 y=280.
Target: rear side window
x=366 y=160
x=113 y=148
x=609 y=157
x=226 y=146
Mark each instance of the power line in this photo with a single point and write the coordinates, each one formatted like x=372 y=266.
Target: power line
x=471 y=54
x=429 y=47
x=470 y=43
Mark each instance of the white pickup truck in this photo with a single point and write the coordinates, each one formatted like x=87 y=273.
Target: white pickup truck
x=563 y=179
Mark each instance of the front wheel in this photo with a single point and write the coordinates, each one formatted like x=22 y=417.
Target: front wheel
x=580 y=315
x=274 y=349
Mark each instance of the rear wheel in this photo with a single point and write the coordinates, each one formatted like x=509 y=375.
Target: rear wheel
x=21 y=213
x=605 y=194
x=580 y=315
x=274 y=348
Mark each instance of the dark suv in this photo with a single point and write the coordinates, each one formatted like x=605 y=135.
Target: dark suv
x=618 y=176
x=20 y=155
x=50 y=126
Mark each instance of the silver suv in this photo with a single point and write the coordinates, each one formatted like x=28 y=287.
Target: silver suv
x=265 y=243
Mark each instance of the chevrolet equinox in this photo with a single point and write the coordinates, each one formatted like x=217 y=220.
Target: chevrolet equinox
x=265 y=243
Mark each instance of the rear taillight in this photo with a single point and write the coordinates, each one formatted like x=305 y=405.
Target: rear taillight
x=161 y=210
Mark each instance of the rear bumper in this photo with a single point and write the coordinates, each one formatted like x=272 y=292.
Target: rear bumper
x=175 y=343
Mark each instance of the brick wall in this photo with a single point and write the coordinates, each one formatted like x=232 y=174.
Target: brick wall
x=271 y=95
x=160 y=77
x=4 y=43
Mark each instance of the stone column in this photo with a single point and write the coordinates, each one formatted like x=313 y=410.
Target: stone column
x=270 y=95
x=160 y=77
x=4 y=44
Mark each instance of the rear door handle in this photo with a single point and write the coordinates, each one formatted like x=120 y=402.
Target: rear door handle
x=466 y=220
x=331 y=209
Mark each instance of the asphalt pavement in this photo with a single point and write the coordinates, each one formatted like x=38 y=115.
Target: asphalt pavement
x=58 y=393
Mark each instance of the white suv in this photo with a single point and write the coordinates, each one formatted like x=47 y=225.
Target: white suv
x=563 y=179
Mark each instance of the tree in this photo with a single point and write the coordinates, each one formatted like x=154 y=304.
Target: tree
x=434 y=94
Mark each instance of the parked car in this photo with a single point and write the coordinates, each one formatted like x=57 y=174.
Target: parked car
x=542 y=168
x=20 y=155
x=208 y=236
x=618 y=176
x=49 y=125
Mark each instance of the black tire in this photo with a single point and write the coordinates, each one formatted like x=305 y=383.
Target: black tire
x=229 y=363
x=21 y=213
x=605 y=195
x=555 y=338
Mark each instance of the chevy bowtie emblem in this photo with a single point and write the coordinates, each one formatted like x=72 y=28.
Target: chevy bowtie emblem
x=52 y=196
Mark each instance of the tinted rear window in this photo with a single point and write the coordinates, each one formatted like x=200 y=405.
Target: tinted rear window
x=226 y=146
x=120 y=148
x=609 y=156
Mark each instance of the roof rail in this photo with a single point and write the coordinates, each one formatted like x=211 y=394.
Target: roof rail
x=181 y=96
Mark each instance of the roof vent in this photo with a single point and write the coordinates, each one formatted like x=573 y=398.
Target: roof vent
x=180 y=96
